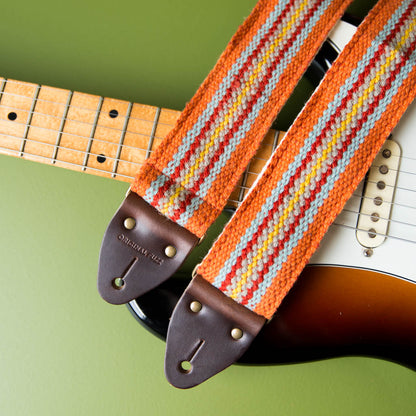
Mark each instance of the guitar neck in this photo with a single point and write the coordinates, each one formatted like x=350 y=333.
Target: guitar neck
x=101 y=136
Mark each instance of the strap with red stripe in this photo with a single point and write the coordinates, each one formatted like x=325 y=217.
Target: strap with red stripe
x=189 y=178
x=322 y=159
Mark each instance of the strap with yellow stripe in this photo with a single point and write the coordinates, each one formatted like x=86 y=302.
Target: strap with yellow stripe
x=189 y=178
x=323 y=157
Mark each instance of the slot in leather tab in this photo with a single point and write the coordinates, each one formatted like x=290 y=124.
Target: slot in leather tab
x=208 y=332
x=141 y=249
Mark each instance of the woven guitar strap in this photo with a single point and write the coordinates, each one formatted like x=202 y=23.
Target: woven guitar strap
x=191 y=175
x=313 y=172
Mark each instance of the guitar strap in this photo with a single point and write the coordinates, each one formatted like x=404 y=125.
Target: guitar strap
x=185 y=184
x=304 y=186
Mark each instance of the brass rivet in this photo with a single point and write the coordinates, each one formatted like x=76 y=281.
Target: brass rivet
x=237 y=333
x=185 y=367
x=195 y=306
x=129 y=223
x=118 y=283
x=170 y=251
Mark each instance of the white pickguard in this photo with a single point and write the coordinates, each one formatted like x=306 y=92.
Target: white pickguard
x=395 y=256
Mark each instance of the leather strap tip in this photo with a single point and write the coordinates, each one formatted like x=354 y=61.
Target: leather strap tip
x=141 y=249
x=207 y=333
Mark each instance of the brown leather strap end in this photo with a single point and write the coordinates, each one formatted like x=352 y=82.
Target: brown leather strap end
x=140 y=250
x=208 y=332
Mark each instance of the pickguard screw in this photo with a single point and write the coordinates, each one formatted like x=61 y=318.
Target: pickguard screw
x=386 y=153
x=383 y=169
x=381 y=185
x=368 y=252
x=375 y=216
x=378 y=200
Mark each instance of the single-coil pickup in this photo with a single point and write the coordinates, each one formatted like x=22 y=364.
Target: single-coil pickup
x=377 y=199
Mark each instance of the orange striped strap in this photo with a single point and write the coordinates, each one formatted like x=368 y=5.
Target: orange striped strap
x=310 y=176
x=191 y=175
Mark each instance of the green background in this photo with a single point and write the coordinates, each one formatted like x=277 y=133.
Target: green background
x=63 y=350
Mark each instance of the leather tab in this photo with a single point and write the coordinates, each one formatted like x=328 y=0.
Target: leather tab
x=138 y=255
x=200 y=342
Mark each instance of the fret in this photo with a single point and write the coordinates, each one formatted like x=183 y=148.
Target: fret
x=255 y=166
x=28 y=121
x=243 y=183
x=277 y=138
x=45 y=122
x=152 y=134
x=123 y=134
x=262 y=156
x=3 y=84
x=109 y=125
x=14 y=113
x=77 y=131
x=167 y=120
x=61 y=127
x=140 y=138
x=90 y=139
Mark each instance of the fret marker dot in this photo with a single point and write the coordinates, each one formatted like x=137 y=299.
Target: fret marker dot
x=101 y=158
x=113 y=113
x=12 y=116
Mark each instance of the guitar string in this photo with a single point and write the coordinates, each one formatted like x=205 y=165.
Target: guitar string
x=373 y=165
x=120 y=130
x=105 y=112
x=66 y=119
x=115 y=159
x=91 y=125
x=246 y=188
x=83 y=137
x=334 y=223
x=156 y=137
x=406 y=240
x=135 y=148
x=230 y=200
x=125 y=146
x=90 y=110
x=159 y=123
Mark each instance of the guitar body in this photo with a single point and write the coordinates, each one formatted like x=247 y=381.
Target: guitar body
x=350 y=299
x=335 y=311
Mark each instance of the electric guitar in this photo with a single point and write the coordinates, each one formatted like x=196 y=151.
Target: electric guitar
x=358 y=293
